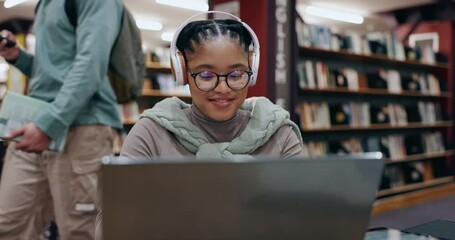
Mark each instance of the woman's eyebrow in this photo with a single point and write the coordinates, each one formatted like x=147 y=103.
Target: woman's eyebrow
x=238 y=65
x=233 y=66
x=205 y=66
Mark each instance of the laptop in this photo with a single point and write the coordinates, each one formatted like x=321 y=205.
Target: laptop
x=267 y=198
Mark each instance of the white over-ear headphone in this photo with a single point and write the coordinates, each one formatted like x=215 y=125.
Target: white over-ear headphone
x=178 y=65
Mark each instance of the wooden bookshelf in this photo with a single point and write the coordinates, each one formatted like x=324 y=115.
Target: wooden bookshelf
x=379 y=127
x=377 y=59
x=325 y=98
x=376 y=92
x=415 y=186
x=150 y=96
x=415 y=197
x=420 y=157
x=156 y=67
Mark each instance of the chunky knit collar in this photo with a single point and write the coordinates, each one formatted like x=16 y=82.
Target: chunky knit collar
x=266 y=119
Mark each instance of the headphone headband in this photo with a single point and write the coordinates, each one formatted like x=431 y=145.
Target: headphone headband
x=179 y=68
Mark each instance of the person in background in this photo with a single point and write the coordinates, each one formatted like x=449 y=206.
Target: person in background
x=217 y=63
x=68 y=70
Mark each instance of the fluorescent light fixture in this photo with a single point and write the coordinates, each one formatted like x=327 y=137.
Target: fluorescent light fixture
x=12 y=3
x=335 y=15
x=149 y=25
x=167 y=36
x=188 y=4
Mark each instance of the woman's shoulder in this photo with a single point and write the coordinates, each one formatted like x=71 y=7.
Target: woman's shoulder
x=146 y=124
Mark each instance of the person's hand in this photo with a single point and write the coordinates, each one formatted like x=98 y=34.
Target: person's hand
x=12 y=53
x=33 y=138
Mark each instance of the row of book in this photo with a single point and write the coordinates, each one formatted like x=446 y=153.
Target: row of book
x=384 y=43
x=394 y=147
x=322 y=115
x=318 y=74
x=165 y=82
x=396 y=176
x=129 y=111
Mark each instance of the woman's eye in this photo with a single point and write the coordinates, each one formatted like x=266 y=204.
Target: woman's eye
x=206 y=75
x=235 y=74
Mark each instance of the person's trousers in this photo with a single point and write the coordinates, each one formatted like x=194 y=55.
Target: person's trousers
x=36 y=187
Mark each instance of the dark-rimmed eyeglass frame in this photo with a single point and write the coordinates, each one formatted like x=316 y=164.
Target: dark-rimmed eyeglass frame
x=194 y=75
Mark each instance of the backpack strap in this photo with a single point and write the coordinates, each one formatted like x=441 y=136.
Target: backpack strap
x=71 y=11
x=37 y=6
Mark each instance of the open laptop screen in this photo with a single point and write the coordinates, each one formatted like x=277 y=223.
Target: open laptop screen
x=266 y=198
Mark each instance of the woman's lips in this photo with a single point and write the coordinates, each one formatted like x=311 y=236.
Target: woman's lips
x=222 y=102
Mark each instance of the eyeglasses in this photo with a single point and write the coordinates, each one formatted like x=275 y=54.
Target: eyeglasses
x=207 y=81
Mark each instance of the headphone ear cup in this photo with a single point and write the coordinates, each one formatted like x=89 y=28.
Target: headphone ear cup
x=178 y=68
x=184 y=76
x=254 y=63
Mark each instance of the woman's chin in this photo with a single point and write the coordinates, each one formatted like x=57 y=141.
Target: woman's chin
x=221 y=116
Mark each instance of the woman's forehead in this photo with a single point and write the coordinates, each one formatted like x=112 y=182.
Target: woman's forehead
x=217 y=45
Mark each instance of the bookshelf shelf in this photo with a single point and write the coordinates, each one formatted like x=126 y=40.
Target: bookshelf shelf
x=368 y=59
x=156 y=67
x=386 y=204
x=129 y=122
x=379 y=127
x=419 y=157
x=415 y=186
x=378 y=92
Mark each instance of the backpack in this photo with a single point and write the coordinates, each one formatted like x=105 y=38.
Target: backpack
x=126 y=71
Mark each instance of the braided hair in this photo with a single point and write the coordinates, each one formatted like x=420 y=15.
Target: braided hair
x=196 y=32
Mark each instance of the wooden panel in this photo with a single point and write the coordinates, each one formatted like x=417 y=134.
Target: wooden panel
x=409 y=199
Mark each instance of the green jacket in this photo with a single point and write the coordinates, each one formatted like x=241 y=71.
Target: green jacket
x=69 y=66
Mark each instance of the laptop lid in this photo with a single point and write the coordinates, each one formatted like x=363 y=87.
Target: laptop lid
x=268 y=198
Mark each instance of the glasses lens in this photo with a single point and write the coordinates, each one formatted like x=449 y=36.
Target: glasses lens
x=238 y=79
x=206 y=80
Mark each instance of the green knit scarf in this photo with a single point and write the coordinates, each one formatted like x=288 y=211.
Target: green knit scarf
x=266 y=119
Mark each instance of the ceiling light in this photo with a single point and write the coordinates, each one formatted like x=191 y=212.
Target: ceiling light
x=149 y=25
x=167 y=36
x=12 y=3
x=188 y=4
x=335 y=15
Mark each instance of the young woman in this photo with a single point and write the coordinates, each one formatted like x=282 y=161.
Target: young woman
x=214 y=58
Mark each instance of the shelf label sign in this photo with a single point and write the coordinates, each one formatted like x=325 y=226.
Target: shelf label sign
x=282 y=46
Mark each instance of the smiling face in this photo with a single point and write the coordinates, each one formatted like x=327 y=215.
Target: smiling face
x=220 y=55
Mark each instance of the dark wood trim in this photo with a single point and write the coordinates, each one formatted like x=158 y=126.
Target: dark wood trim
x=370 y=59
x=413 y=125
x=408 y=199
x=371 y=91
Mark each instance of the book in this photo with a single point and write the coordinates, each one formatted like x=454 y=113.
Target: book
x=379 y=114
x=377 y=80
x=413 y=114
x=338 y=79
x=413 y=172
x=346 y=146
x=18 y=110
x=340 y=114
x=410 y=82
x=414 y=144
x=393 y=177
